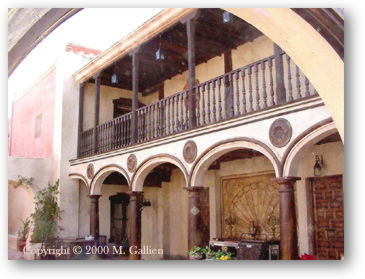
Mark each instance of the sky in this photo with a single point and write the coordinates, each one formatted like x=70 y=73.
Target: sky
x=97 y=28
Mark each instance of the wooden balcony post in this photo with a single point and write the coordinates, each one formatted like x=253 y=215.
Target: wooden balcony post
x=134 y=120
x=279 y=75
x=96 y=112
x=194 y=223
x=190 y=22
x=228 y=92
x=135 y=223
x=81 y=118
x=94 y=215
x=288 y=222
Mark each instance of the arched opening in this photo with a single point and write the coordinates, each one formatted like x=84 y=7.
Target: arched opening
x=243 y=198
x=319 y=193
x=104 y=209
x=164 y=222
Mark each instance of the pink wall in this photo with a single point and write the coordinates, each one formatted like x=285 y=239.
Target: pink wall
x=38 y=100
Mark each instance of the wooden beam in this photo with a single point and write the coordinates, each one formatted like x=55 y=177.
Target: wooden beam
x=161 y=91
x=134 y=121
x=190 y=30
x=96 y=111
x=279 y=75
x=228 y=92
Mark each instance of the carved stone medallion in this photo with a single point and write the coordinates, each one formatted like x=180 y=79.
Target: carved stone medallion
x=90 y=171
x=132 y=162
x=280 y=132
x=189 y=151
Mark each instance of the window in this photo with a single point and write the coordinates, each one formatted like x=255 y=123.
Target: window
x=38 y=126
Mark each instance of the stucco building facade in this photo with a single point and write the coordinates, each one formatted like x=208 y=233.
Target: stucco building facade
x=203 y=125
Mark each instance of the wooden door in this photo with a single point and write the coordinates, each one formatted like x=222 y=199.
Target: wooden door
x=328 y=217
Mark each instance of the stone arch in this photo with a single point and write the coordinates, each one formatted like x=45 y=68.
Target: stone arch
x=149 y=164
x=281 y=25
x=291 y=157
x=80 y=177
x=220 y=148
x=101 y=174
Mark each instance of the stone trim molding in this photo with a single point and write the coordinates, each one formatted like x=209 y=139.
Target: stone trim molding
x=274 y=159
x=165 y=158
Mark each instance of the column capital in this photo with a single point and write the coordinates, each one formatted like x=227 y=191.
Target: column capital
x=94 y=196
x=286 y=179
x=133 y=195
x=194 y=188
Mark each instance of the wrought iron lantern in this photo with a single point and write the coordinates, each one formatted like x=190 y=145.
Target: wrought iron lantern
x=160 y=55
x=114 y=78
x=318 y=165
x=227 y=17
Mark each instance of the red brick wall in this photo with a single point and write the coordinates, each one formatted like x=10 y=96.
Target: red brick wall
x=38 y=100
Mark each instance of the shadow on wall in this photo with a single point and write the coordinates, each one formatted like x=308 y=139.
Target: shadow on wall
x=20 y=206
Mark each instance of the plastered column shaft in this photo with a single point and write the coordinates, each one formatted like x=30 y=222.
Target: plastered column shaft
x=288 y=222
x=94 y=215
x=194 y=222
x=135 y=223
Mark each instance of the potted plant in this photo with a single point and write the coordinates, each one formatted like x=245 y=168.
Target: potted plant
x=45 y=217
x=209 y=253
x=223 y=254
x=23 y=234
x=196 y=253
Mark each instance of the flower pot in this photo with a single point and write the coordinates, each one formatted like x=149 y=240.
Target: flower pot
x=20 y=243
x=196 y=256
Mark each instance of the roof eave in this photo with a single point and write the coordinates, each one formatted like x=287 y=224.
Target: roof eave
x=162 y=21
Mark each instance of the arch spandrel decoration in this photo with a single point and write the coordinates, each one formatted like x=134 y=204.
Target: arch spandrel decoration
x=102 y=173
x=205 y=159
x=149 y=164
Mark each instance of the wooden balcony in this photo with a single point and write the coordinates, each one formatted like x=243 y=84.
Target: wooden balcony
x=255 y=87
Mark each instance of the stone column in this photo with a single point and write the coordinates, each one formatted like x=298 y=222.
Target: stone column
x=194 y=229
x=288 y=222
x=94 y=215
x=135 y=223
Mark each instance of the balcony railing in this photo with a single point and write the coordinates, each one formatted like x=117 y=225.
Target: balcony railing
x=245 y=90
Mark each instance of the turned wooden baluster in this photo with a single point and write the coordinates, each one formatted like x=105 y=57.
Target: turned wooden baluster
x=219 y=99
x=306 y=83
x=214 y=103
x=298 y=82
x=237 y=94
x=243 y=90
x=122 y=127
x=256 y=69
x=168 y=116
x=264 y=84
x=290 y=88
x=197 y=106
x=231 y=108
x=173 y=114
x=203 y=103
x=182 y=111
x=106 y=137
x=271 y=83
x=176 y=112
x=250 y=99
x=208 y=106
